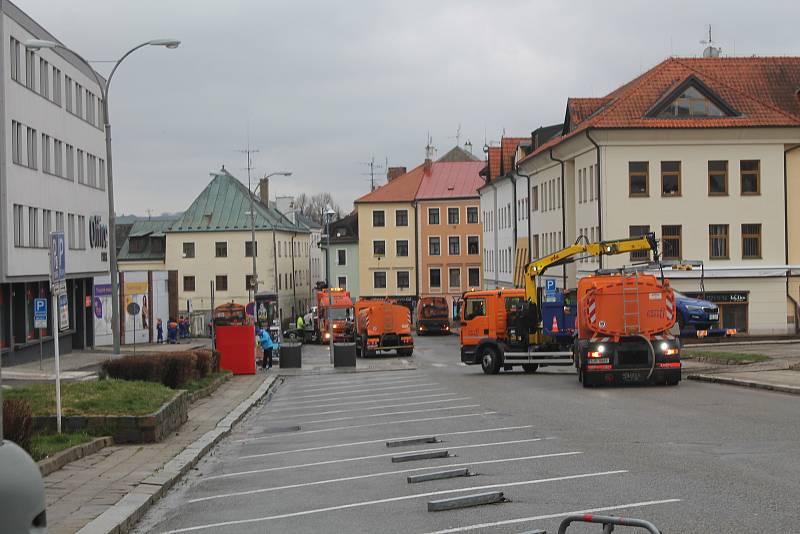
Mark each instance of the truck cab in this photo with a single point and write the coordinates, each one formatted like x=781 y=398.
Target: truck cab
x=433 y=316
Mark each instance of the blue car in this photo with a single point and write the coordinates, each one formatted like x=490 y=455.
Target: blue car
x=696 y=314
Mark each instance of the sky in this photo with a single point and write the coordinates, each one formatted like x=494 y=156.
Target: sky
x=321 y=87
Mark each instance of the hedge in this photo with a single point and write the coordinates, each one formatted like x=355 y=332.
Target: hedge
x=18 y=422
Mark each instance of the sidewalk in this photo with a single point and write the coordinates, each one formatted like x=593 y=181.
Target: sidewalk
x=83 y=490
x=783 y=380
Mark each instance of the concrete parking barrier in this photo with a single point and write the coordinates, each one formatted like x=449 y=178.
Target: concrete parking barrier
x=420 y=456
x=412 y=441
x=466 y=501
x=438 y=475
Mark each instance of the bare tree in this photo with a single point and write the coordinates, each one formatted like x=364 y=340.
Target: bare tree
x=316 y=206
x=301 y=202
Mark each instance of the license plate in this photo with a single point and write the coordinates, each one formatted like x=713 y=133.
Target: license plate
x=713 y=316
x=598 y=360
x=631 y=376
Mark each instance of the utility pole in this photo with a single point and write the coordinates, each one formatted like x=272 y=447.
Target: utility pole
x=249 y=152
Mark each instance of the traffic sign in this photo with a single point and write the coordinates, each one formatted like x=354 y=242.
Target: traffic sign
x=134 y=308
x=40 y=313
x=63 y=312
x=550 y=290
x=58 y=261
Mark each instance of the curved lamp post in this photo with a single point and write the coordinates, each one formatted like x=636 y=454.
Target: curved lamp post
x=38 y=44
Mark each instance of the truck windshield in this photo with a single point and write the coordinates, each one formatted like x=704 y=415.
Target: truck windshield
x=432 y=311
x=340 y=313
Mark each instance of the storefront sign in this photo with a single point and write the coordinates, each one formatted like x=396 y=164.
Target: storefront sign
x=736 y=297
x=136 y=288
x=98 y=232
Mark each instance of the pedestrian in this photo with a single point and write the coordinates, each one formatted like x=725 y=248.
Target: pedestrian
x=160 y=331
x=172 y=331
x=266 y=345
x=300 y=323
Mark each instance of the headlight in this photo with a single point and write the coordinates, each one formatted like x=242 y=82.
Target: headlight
x=601 y=348
x=664 y=346
x=694 y=307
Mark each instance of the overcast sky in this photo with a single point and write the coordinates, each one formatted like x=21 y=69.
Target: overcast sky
x=324 y=85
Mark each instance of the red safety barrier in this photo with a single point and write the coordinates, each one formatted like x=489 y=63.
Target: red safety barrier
x=236 y=345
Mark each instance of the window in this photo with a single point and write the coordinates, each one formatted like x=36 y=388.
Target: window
x=750 y=171
x=70 y=162
x=638 y=177
x=751 y=241
x=32 y=152
x=47 y=226
x=341 y=282
x=474 y=275
x=78 y=100
x=188 y=283
x=472 y=215
x=16 y=147
x=221 y=282
x=68 y=92
x=535 y=198
x=60 y=221
x=102 y=168
x=30 y=69
x=379 y=279
x=434 y=246
x=341 y=257
x=670 y=178
x=403 y=280
x=379 y=248
x=19 y=226
x=58 y=158
x=249 y=282
x=91 y=168
x=535 y=246
x=473 y=245
x=401 y=218
x=454 y=276
x=248 y=249
x=15 y=67
x=433 y=215
x=401 y=246
x=718 y=241
x=717 y=178
x=33 y=227
x=188 y=249
x=670 y=242
x=221 y=249
x=81 y=174
x=454 y=245
x=378 y=218
x=56 y=86
x=44 y=78
x=691 y=103
x=435 y=278
x=452 y=215
x=474 y=308
x=71 y=231
x=81 y=232
x=591 y=182
x=639 y=231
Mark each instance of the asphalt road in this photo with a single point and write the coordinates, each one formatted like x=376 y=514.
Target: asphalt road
x=698 y=458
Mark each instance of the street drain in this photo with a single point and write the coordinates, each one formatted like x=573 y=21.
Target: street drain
x=466 y=501
x=412 y=441
x=438 y=475
x=420 y=456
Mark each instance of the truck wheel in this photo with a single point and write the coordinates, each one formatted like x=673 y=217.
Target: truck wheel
x=585 y=379
x=490 y=361
x=405 y=352
x=530 y=367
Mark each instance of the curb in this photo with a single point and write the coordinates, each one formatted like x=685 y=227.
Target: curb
x=719 y=361
x=735 y=343
x=60 y=459
x=209 y=389
x=745 y=383
x=124 y=515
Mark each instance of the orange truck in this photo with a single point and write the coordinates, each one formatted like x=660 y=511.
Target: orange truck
x=334 y=306
x=382 y=326
x=433 y=316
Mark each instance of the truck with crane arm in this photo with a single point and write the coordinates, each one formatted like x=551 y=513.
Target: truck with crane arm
x=622 y=321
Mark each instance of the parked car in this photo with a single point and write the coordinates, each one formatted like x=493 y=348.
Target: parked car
x=696 y=313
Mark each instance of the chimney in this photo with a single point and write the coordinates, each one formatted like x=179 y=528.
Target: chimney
x=429 y=149
x=394 y=172
x=264 y=192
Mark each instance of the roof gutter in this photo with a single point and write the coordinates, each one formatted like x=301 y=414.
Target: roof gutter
x=786 y=234
x=563 y=215
x=599 y=195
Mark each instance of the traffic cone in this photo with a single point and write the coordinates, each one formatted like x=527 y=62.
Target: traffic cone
x=554 y=327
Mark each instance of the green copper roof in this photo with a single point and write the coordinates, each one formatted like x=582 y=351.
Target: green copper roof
x=224 y=205
x=146 y=230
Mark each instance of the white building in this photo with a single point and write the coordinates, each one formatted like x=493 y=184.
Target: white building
x=694 y=150
x=53 y=178
x=285 y=204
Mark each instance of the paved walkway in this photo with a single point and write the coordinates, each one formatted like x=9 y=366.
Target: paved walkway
x=84 y=489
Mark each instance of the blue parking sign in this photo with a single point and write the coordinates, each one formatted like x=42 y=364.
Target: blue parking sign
x=40 y=313
x=550 y=285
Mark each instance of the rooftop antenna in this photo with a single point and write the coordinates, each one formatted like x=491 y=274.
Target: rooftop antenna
x=710 y=50
x=457 y=136
x=149 y=214
x=249 y=152
x=372 y=168
x=430 y=150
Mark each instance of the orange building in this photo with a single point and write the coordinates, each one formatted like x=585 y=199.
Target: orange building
x=449 y=226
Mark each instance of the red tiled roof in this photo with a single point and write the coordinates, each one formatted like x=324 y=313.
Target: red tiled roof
x=763 y=90
x=401 y=189
x=494 y=155
x=451 y=180
x=508 y=148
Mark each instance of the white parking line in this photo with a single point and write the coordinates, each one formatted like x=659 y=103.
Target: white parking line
x=394 y=499
x=349 y=377
x=345 y=397
x=390 y=413
x=395 y=438
x=481 y=526
x=351 y=384
x=408 y=386
x=371 y=457
x=349 y=427
x=326 y=405
x=384 y=473
x=379 y=407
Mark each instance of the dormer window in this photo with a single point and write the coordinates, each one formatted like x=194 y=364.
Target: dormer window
x=691 y=103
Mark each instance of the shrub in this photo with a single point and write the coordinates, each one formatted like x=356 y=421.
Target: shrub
x=179 y=369
x=18 y=422
x=207 y=361
x=171 y=369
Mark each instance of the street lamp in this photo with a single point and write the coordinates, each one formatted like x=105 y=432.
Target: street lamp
x=38 y=44
x=253 y=234
x=329 y=213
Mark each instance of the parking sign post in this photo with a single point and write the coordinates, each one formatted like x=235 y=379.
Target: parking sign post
x=57 y=288
x=40 y=322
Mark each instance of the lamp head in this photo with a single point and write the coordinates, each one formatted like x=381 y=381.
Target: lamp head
x=169 y=43
x=38 y=44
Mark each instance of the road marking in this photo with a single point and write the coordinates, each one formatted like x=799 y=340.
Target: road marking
x=382 y=423
x=354 y=443
x=352 y=384
x=384 y=473
x=481 y=526
x=379 y=407
x=462 y=364
x=371 y=457
x=358 y=402
x=390 y=413
x=439 y=364
x=340 y=379
x=394 y=499
x=409 y=386
x=390 y=394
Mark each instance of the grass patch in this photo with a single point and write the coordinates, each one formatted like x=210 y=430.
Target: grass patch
x=196 y=385
x=46 y=445
x=728 y=356
x=101 y=397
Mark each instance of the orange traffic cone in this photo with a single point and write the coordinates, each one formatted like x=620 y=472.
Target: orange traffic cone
x=554 y=327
